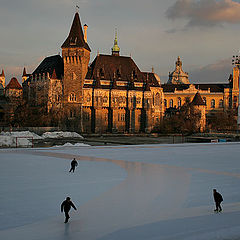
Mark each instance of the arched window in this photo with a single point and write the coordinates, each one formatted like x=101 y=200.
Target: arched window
x=179 y=102
x=165 y=102
x=157 y=99
x=213 y=103
x=220 y=103
x=171 y=103
x=72 y=97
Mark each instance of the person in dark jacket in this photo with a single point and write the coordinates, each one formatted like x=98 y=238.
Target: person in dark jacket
x=66 y=206
x=74 y=164
x=218 y=199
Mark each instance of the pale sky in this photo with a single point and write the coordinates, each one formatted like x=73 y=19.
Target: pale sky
x=204 y=33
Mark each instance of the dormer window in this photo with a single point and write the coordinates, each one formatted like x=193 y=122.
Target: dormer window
x=72 y=97
x=73 y=41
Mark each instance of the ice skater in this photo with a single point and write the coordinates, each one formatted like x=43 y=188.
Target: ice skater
x=74 y=164
x=218 y=199
x=66 y=206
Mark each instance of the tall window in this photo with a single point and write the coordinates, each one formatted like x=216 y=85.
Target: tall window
x=165 y=102
x=171 y=103
x=220 y=103
x=213 y=103
x=72 y=97
x=179 y=102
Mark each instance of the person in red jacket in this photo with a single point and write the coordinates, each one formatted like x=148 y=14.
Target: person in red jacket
x=218 y=199
x=66 y=206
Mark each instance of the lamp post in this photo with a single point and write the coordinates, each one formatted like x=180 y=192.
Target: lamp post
x=236 y=63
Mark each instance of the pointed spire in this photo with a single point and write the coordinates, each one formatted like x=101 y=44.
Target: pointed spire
x=54 y=75
x=116 y=48
x=24 y=72
x=76 y=37
x=2 y=74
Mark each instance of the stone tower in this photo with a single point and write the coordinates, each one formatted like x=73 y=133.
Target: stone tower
x=76 y=56
x=198 y=106
x=2 y=79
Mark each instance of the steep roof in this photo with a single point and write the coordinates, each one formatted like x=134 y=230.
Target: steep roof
x=109 y=64
x=49 y=64
x=116 y=69
x=13 y=84
x=197 y=100
x=2 y=74
x=76 y=37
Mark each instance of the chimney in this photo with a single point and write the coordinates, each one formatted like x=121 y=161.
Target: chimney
x=85 y=32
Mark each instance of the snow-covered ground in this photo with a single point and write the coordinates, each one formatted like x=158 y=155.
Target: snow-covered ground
x=126 y=192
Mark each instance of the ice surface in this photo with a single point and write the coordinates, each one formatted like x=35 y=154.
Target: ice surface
x=125 y=192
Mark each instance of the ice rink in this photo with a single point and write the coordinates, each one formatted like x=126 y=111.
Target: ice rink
x=122 y=192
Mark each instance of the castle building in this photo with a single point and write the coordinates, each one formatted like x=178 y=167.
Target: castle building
x=110 y=95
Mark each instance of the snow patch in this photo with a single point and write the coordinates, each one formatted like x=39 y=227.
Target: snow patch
x=73 y=145
x=61 y=135
x=10 y=141
x=21 y=134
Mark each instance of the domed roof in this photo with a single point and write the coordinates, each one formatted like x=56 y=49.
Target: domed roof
x=178 y=76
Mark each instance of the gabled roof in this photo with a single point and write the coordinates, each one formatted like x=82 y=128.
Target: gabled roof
x=109 y=64
x=13 y=84
x=76 y=37
x=197 y=100
x=49 y=64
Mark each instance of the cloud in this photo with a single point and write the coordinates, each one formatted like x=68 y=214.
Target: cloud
x=205 y=13
x=213 y=73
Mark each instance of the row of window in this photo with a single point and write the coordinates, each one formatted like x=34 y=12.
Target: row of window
x=179 y=103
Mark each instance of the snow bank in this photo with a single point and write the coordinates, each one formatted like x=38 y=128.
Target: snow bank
x=21 y=134
x=73 y=145
x=10 y=141
x=61 y=135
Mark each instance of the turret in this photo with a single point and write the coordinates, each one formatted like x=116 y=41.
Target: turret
x=2 y=78
x=76 y=56
x=24 y=75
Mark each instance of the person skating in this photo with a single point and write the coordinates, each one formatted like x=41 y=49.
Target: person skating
x=218 y=199
x=74 y=164
x=66 y=206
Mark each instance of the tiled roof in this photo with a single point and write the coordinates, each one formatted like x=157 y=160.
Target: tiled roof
x=49 y=64
x=13 y=84
x=213 y=87
x=197 y=100
x=172 y=87
x=117 y=69
x=76 y=37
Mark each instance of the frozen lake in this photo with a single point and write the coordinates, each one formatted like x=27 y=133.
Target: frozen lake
x=125 y=192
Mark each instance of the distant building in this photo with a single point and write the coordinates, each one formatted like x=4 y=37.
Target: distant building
x=111 y=94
